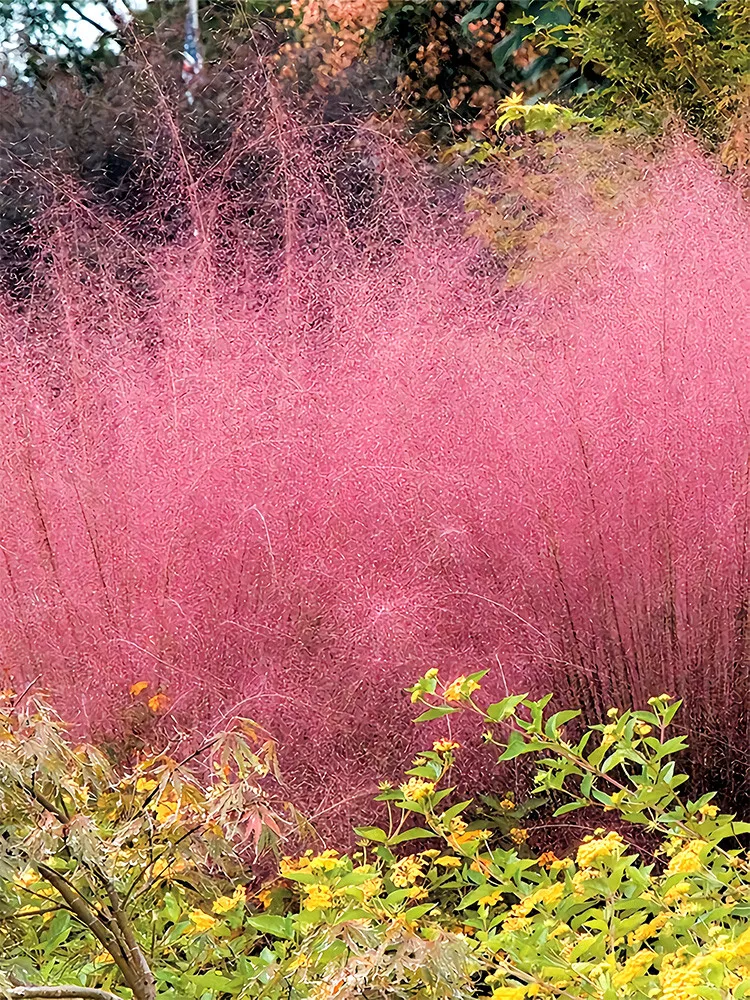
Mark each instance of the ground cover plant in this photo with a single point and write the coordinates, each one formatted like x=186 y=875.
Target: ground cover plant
x=429 y=906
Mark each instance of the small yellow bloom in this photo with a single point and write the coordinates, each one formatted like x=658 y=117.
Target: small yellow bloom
x=709 y=811
x=643 y=729
x=688 y=859
x=518 y=835
x=445 y=746
x=509 y=993
x=158 y=703
x=431 y=674
x=448 y=861
x=319 y=897
x=461 y=689
x=226 y=903
x=594 y=848
x=417 y=789
x=372 y=887
x=634 y=967
x=407 y=870
x=138 y=688
x=325 y=862
x=201 y=922
x=676 y=893
x=26 y=878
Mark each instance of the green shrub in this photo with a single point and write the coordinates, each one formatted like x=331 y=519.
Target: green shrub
x=430 y=906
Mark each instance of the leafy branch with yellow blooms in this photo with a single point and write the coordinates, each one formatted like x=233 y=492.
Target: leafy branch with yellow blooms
x=105 y=876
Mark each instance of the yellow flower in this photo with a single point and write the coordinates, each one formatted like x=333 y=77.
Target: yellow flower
x=447 y=861
x=509 y=993
x=634 y=967
x=26 y=878
x=138 y=688
x=507 y=803
x=372 y=887
x=647 y=930
x=461 y=689
x=158 y=703
x=201 y=921
x=709 y=811
x=676 y=893
x=288 y=865
x=325 y=862
x=417 y=789
x=516 y=923
x=594 y=848
x=459 y=836
x=688 y=859
x=165 y=810
x=445 y=746
x=643 y=729
x=407 y=871
x=226 y=903
x=679 y=983
x=265 y=898
x=547 y=895
x=519 y=836
x=319 y=897
x=580 y=878
x=431 y=674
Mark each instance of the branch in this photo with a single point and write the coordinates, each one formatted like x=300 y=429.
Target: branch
x=84 y=912
x=89 y=20
x=59 y=993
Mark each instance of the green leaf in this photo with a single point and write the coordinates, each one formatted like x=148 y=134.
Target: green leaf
x=371 y=833
x=569 y=807
x=269 y=923
x=416 y=833
x=435 y=713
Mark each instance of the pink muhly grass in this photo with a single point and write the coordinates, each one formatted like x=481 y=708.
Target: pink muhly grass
x=288 y=483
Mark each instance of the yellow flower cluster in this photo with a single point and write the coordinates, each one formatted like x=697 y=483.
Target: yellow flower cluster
x=547 y=895
x=417 y=789
x=647 y=930
x=580 y=878
x=594 y=848
x=371 y=887
x=200 y=922
x=688 y=859
x=324 y=862
x=682 y=982
x=449 y=861
x=634 y=967
x=445 y=746
x=407 y=870
x=319 y=897
x=226 y=903
x=519 y=835
x=676 y=893
x=461 y=689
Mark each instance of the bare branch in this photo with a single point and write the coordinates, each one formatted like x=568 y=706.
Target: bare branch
x=59 y=993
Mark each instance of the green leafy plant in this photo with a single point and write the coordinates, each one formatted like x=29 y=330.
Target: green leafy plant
x=433 y=903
